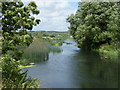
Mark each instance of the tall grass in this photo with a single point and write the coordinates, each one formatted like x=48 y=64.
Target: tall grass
x=38 y=51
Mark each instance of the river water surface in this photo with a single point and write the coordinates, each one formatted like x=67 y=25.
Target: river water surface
x=71 y=68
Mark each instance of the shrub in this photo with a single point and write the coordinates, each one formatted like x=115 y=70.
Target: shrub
x=13 y=77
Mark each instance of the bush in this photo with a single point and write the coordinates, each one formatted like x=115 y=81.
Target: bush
x=108 y=52
x=13 y=77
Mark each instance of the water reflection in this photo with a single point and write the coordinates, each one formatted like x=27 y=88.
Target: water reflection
x=73 y=68
x=97 y=73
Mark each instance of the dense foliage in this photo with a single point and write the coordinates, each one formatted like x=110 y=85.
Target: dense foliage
x=96 y=24
x=13 y=77
x=16 y=20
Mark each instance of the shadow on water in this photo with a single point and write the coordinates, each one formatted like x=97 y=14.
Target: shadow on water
x=96 y=72
x=73 y=68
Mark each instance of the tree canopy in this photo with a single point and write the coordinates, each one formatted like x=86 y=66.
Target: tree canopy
x=95 y=23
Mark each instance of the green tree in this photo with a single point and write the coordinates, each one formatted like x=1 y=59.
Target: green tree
x=17 y=19
x=73 y=24
x=15 y=23
x=95 y=24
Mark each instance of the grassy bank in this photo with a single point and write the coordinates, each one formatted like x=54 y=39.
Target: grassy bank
x=108 y=52
x=43 y=43
x=53 y=38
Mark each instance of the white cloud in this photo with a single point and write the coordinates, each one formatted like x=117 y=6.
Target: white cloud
x=53 y=14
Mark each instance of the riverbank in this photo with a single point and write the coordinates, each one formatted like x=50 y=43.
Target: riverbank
x=53 y=38
x=108 y=52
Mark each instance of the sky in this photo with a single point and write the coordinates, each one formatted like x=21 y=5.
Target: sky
x=53 y=14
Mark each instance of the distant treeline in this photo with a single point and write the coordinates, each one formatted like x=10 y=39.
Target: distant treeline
x=51 y=31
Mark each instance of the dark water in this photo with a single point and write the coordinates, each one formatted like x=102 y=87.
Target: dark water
x=72 y=68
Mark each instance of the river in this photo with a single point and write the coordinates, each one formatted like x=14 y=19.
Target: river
x=71 y=68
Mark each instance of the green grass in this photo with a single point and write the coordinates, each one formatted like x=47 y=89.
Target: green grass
x=108 y=52
x=38 y=51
